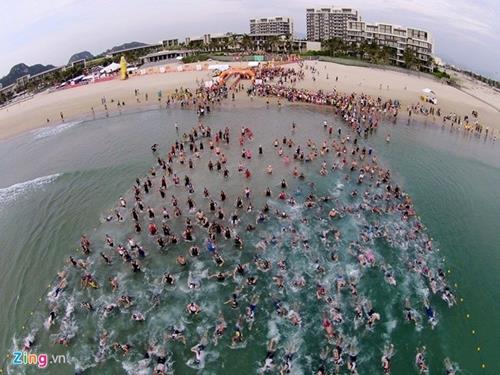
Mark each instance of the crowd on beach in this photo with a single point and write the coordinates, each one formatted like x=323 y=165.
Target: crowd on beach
x=281 y=82
x=167 y=208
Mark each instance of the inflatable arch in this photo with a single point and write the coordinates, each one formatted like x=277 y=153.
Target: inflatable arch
x=242 y=73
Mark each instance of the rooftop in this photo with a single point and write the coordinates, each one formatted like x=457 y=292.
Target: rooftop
x=168 y=52
x=133 y=49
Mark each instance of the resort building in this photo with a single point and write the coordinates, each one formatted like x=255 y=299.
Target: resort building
x=278 y=26
x=165 y=56
x=213 y=42
x=81 y=62
x=271 y=33
x=21 y=82
x=397 y=37
x=167 y=43
x=141 y=49
x=328 y=23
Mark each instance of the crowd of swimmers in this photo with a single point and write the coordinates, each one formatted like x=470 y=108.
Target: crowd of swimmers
x=224 y=217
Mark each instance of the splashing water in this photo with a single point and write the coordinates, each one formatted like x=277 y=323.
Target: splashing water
x=311 y=280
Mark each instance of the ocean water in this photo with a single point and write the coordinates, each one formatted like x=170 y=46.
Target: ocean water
x=56 y=184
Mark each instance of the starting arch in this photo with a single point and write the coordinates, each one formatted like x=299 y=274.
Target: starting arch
x=242 y=73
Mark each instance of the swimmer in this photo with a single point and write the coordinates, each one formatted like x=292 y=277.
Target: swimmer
x=193 y=309
x=28 y=342
x=269 y=360
x=386 y=358
x=219 y=328
x=431 y=316
x=177 y=334
x=199 y=352
x=420 y=361
x=138 y=317
x=450 y=367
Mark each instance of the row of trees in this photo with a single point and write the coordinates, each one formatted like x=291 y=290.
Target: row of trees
x=244 y=43
x=479 y=77
x=335 y=47
x=369 y=51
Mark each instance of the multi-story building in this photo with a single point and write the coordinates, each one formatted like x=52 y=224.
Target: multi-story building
x=21 y=82
x=213 y=42
x=169 y=43
x=278 y=26
x=397 y=37
x=328 y=23
x=165 y=56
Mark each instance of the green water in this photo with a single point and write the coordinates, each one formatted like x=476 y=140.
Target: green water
x=453 y=179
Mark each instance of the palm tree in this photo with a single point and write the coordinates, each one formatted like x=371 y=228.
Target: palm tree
x=410 y=58
x=232 y=42
x=273 y=42
x=387 y=55
x=334 y=46
x=213 y=45
x=247 y=42
x=363 y=49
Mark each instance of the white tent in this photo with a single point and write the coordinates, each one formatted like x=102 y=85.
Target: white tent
x=77 y=79
x=219 y=67
x=113 y=67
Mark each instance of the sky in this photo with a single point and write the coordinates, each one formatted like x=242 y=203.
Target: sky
x=466 y=32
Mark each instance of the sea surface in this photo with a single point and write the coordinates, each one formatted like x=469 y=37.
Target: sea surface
x=58 y=183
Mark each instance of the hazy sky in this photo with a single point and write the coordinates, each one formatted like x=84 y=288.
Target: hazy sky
x=466 y=32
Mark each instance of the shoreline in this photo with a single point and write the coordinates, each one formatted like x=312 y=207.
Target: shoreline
x=76 y=103
x=258 y=102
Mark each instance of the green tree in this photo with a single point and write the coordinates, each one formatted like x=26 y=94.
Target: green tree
x=334 y=46
x=410 y=59
x=274 y=42
x=232 y=42
x=247 y=43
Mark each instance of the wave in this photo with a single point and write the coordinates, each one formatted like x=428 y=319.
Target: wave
x=49 y=131
x=10 y=193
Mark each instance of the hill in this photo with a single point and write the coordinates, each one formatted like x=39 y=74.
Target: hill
x=80 y=56
x=124 y=46
x=20 y=70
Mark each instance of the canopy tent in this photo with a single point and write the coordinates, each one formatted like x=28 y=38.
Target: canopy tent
x=111 y=68
x=429 y=97
x=77 y=79
x=428 y=91
x=219 y=67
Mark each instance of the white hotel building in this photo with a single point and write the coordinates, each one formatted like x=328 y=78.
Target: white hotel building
x=278 y=26
x=327 y=23
x=394 y=36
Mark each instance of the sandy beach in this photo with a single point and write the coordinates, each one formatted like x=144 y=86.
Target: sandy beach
x=76 y=103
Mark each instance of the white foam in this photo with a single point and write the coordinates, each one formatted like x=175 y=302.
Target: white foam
x=10 y=193
x=49 y=131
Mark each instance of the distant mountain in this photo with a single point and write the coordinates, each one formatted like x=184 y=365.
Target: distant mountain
x=124 y=46
x=80 y=56
x=20 y=70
